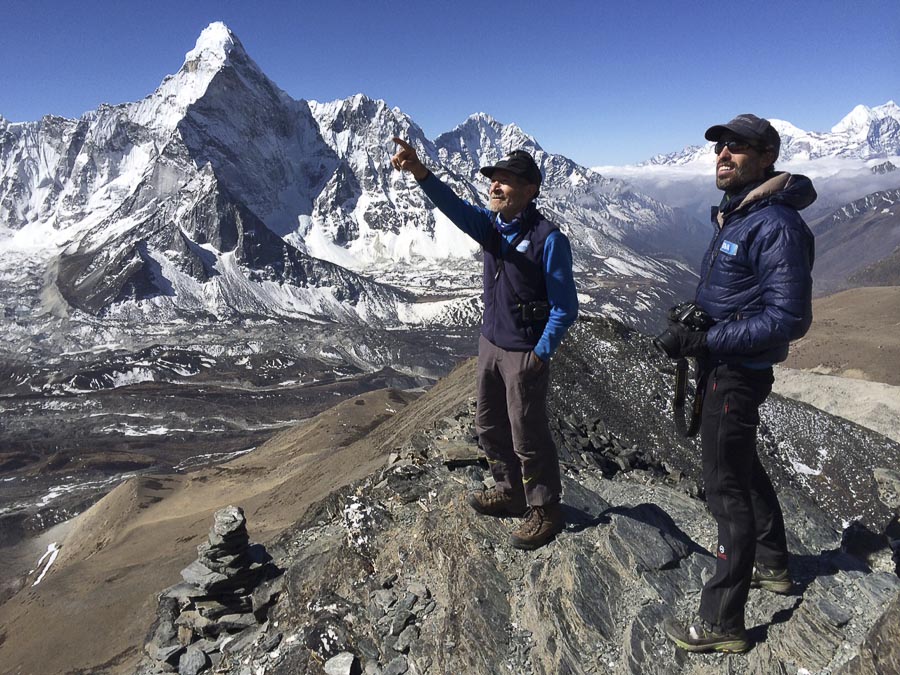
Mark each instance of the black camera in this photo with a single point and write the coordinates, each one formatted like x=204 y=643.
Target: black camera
x=696 y=319
x=687 y=314
x=691 y=316
x=535 y=312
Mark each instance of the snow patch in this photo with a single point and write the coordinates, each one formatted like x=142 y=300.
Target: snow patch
x=50 y=557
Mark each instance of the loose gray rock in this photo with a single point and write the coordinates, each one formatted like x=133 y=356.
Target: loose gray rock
x=397 y=666
x=229 y=522
x=419 y=590
x=344 y=663
x=199 y=575
x=400 y=620
x=192 y=661
x=384 y=598
x=407 y=636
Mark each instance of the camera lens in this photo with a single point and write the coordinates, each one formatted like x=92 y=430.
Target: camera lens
x=666 y=343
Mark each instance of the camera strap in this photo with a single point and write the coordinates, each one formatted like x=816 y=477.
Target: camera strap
x=682 y=426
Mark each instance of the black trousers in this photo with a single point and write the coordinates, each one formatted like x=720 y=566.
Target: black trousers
x=738 y=491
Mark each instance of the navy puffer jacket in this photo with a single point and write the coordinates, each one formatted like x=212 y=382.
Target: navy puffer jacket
x=756 y=279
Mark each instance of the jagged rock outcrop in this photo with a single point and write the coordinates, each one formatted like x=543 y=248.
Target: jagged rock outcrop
x=396 y=574
x=220 y=606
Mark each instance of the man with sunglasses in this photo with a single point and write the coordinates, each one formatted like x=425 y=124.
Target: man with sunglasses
x=529 y=303
x=756 y=285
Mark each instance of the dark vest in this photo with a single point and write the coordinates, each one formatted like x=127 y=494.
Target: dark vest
x=518 y=280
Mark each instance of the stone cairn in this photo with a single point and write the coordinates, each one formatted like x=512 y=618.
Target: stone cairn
x=220 y=606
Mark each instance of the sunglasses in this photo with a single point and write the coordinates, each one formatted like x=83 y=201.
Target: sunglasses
x=734 y=147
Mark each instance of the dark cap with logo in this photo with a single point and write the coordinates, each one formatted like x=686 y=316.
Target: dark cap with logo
x=517 y=162
x=755 y=130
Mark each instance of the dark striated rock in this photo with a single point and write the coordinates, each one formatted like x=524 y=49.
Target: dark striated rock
x=264 y=595
x=238 y=642
x=406 y=637
x=880 y=652
x=400 y=621
x=640 y=538
x=164 y=633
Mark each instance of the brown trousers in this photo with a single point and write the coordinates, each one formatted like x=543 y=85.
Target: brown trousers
x=512 y=424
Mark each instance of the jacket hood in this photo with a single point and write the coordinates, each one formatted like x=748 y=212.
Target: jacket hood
x=792 y=190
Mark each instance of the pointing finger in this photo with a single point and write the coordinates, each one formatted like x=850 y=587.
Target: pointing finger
x=403 y=144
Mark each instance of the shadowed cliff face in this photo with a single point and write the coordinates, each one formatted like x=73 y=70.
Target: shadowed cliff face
x=396 y=574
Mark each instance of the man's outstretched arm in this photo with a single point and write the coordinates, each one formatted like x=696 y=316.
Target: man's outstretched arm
x=474 y=221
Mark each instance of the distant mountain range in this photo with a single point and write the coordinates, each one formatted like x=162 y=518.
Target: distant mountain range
x=220 y=198
x=864 y=133
x=854 y=169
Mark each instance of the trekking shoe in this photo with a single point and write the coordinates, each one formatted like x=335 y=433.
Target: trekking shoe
x=492 y=502
x=702 y=637
x=771 y=579
x=540 y=526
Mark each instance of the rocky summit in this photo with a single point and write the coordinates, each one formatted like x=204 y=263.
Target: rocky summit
x=395 y=573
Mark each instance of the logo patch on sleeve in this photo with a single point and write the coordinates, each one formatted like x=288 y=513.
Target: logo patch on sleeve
x=728 y=247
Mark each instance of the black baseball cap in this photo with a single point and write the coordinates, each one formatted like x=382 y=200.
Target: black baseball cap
x=521 y=164
x=747 y=127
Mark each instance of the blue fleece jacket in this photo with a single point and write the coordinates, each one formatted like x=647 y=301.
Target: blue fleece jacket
x=478 y=223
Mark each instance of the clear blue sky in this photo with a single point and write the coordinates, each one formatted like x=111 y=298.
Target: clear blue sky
x=603 y=82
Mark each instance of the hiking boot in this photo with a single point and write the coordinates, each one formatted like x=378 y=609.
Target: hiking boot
x=540 y=526
x=771 y=579
x=492 y=502
x=702 y=637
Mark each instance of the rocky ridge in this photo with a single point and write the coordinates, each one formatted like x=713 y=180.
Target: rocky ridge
x=396 y=574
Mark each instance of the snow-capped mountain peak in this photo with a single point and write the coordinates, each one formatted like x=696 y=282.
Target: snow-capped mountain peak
x=785 y=129
x=856 y=120
x=480 y=141
x=213 y=46
x=216 y=49
x=862 y=118
x=889 y=109
x=864 y=133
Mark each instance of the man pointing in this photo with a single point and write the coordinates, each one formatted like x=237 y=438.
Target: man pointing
x=529 y=303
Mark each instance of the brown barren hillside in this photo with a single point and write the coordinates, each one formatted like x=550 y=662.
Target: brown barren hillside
x=98 y=601
x=855 y=333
